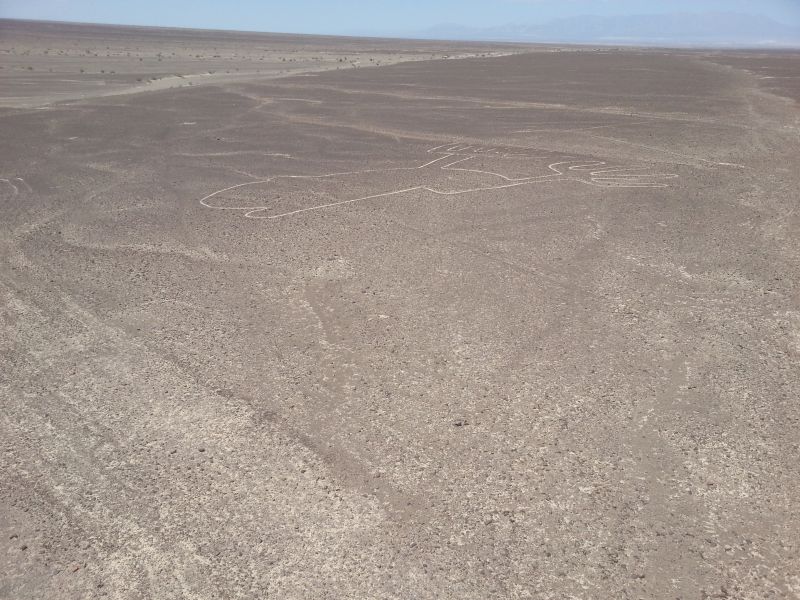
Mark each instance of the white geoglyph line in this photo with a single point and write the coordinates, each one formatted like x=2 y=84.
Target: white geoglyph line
x=329 y=205
x=252 y=209
x=579 y=129
x=14 y=189
x=23 y=182
x=596 y=173
x=234 y=153
x=621 y=141
x=665 y=151
x=460 y=149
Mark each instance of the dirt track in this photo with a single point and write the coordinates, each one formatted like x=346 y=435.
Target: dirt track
x=496 y=327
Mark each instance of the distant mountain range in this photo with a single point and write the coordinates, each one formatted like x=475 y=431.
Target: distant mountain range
x=674 y=29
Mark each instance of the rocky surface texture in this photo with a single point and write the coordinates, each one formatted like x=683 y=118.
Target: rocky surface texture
x=498 y=327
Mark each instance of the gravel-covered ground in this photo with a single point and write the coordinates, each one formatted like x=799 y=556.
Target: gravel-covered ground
x=496 y=327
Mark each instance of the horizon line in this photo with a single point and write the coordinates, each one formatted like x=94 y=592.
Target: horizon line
x=484 y=41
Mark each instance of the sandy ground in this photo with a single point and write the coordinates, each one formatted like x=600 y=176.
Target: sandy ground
x=497 y=327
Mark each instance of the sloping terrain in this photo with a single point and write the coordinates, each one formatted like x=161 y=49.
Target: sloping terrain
x=521 y=326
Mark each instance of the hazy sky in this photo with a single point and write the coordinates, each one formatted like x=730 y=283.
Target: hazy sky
x=376 y=16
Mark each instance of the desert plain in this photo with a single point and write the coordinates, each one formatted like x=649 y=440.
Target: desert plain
x=305 y=317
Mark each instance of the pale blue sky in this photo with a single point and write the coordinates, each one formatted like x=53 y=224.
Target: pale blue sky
x=376 y=16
